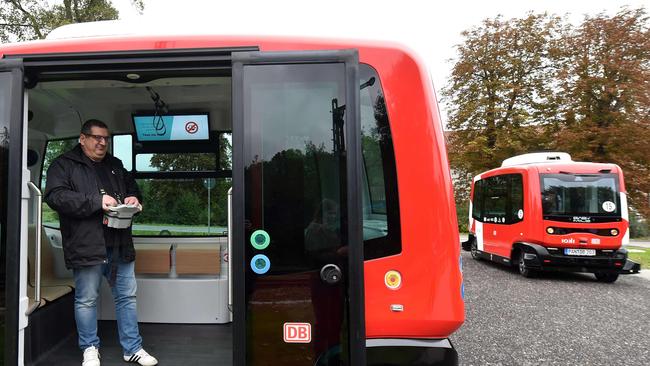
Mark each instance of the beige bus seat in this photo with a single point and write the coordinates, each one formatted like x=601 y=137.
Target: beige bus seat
x=52 y=286
x=191 y=259
x=198 y=259
x=152 y=258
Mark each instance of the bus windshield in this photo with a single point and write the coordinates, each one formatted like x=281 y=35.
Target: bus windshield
x=576 y=194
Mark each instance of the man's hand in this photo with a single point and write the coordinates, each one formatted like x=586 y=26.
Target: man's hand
x=132 y=201
x=108 y=201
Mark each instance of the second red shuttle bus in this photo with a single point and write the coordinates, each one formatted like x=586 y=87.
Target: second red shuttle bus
x=543 y=211
x=335 y=247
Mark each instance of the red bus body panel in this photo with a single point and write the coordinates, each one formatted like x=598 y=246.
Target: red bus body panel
x=429 y=262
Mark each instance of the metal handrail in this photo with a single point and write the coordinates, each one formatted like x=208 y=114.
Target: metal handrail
x=230 y=252
x=37 y=250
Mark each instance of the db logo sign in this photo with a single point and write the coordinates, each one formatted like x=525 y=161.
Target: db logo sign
x=297 y=332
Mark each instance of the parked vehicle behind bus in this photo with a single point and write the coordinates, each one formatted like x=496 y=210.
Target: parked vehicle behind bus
x=334 y=250
x=543 y=211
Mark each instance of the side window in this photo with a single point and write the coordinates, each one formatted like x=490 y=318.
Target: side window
x=176 y=162
x=53 y=149
x=499 y=199
x=381 y=218
x=516 y=198
x=183 y=194
x=183 y=207
x=477 y=200
x=123 y=150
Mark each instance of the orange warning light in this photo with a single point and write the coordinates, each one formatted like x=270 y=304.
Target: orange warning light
x=393 y=280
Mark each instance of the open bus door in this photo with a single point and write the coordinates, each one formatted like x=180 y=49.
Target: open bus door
x=297 y=253
x=14 y=194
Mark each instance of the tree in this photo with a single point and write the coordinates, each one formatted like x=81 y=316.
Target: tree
x=606 y=98
x=22 y=20
x=501 y=93
x=537 y=83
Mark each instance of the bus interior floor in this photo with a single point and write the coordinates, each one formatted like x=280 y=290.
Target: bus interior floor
x=171 y=344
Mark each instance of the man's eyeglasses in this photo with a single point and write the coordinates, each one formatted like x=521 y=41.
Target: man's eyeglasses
x=99 y=138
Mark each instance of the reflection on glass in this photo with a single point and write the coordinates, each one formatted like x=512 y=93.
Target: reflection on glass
x=499 y=199
x=380 y=201
x=568 y=194
x=516 y=197
x=496 y=197
x=225 y=150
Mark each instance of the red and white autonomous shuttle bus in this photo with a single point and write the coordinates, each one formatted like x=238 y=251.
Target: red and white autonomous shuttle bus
x=333 y=250
x=543 y=211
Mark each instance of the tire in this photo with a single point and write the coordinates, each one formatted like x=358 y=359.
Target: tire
x=522 y=268
x=474 y=250
x=606 y=277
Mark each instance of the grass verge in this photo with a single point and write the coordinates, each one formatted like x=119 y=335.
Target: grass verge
x=642 y=257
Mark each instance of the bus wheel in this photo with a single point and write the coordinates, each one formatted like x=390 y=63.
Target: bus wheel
x=606 y=277
x=474 y=250
x=521 y=266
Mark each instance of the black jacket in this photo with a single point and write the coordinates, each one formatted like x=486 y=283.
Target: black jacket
x=72 y=191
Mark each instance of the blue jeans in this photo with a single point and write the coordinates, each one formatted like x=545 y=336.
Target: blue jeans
x=87 y=281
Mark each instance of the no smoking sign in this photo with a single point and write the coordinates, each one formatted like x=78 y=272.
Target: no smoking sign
x=191 y=127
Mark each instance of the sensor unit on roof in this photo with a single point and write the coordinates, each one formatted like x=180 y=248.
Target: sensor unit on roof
x=100 y=28
x=544 y=157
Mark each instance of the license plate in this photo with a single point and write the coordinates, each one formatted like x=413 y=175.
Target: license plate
x=579 y=251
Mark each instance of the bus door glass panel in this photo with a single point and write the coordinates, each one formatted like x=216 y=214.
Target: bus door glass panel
x=13 y=290
x=296 y=234
x=502 y=212
x=513 y=227
x=477 y=213
x=5 y=102
x=495 y=198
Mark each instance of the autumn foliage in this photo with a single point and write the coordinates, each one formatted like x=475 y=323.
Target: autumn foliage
x=539 y=83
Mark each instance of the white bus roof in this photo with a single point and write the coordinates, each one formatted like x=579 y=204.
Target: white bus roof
x=541 y=157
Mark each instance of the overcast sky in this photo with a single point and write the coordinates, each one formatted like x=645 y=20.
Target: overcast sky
x=431 y=28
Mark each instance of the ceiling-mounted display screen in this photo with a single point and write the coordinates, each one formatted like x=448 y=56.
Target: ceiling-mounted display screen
x=171 y=127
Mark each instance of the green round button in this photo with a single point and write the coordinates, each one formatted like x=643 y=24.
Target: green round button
x=260 y=239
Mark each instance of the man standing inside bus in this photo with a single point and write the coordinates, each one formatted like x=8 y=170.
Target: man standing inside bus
x=82 y=184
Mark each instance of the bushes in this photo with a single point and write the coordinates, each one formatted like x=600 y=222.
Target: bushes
x=638 y=226
x=462 y=212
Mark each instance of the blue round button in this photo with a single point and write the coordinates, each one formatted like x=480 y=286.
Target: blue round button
x=260 y=264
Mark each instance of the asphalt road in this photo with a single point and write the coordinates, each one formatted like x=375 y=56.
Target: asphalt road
x=554 y=319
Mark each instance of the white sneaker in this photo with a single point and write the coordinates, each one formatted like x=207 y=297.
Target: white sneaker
x=141 y=357
x=91 y=356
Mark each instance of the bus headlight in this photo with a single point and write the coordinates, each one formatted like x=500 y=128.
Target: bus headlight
x=614 y=232
x=550 y=230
